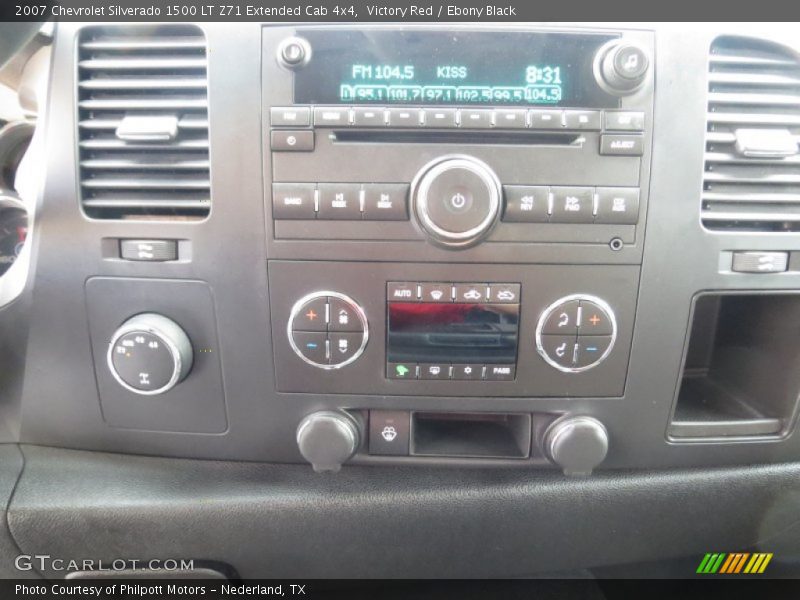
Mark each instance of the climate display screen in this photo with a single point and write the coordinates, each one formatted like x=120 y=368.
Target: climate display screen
x=452 y=333
x=459 y=68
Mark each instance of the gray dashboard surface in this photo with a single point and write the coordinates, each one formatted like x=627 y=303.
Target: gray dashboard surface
x=286 y=521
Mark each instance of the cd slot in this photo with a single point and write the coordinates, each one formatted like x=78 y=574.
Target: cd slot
x=514 y=138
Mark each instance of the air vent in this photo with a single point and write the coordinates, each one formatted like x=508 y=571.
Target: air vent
x=143 y=122
x=752 y=165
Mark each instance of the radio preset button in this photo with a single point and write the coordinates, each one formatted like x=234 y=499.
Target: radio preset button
x=563 y=319
x=331 y=116
x=621 y=145
x=510 y=118
x=500 y=372
x=434 y=371
x=444 y=118
x=404 y=117
x=293 y=200
x=572 y=205
x=369 y=117
x=385 y=202
x=436 y=292
x=588 y=120
x=401 y=370
x=468 y=371
x=339 y=201
x=402 y=292
x=545 y=119
x=624 y=120
x=290 y=116
x=476 y=118
x=311 y=345
x=292 y=140
x=504 y=293
x=590 y=349
x=619 y=206
x=470 y=293
x=526 y=203
x=594 y=319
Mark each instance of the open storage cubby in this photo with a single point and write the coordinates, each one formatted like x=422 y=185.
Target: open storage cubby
x=741 y=376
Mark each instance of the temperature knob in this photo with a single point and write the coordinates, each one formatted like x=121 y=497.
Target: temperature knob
x=150 y=354
x=621 y=67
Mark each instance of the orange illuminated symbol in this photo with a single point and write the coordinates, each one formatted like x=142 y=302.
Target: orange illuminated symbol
x=311 y=314
x=595 y=319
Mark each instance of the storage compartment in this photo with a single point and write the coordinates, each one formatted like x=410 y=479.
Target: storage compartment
x=475 y=435
x=742 y=369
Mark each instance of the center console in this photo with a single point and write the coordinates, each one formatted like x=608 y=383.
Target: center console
x=468 y=207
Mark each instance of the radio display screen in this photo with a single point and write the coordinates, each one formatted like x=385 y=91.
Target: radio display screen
x=492 y=68
x=428 y=332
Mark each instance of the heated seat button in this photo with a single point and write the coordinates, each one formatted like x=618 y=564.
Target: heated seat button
x=594 y=319
x=572 y=205
x=311 y=345
x=342 y=316
x=563 y=320
x=590 y=349
x=293 y=200
x=560 y=349
x=386 y=201
x=339 y=201
x=312 y=316
x=389 y=432
x=344 y=346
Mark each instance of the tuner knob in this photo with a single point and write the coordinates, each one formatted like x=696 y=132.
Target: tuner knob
x=328 y=439
x=456 y=200
x=621 y=67
x=576 y=444
x=150 y=354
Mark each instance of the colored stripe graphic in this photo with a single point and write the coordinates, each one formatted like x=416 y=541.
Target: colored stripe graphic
x=734 y=563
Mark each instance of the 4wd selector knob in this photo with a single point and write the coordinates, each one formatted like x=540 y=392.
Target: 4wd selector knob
x=456 y=200
x=150 y=354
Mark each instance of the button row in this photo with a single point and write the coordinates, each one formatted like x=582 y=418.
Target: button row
x=497 y=293
x=575 y=351
x=448 y=118
x=544 y=204
x=463 y=372
x=323 y=313
x=340 y=201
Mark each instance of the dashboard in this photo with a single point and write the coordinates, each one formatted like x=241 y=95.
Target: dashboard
x=530 y=249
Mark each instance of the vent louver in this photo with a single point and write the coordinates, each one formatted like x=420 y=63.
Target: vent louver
x=143 y=122
x=752 y=165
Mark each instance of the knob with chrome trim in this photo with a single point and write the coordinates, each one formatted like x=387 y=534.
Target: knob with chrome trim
x=150 y=354
x=327 y=439
x=621 y=67
x=456 y=200
x=576 y=444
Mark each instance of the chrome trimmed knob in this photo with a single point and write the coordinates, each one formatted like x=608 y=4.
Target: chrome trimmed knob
x=620 y=67
x=327 y=439
x=174 y=339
